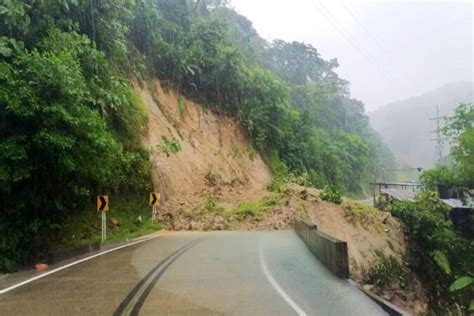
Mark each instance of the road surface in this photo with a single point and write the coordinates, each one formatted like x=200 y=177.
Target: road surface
x=192 y=273
x=367 y=201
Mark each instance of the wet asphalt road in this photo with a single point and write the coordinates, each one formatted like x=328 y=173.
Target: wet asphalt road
x=215 y=273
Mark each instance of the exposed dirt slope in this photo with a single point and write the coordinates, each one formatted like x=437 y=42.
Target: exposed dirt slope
x=217 y=181
x=214 y=159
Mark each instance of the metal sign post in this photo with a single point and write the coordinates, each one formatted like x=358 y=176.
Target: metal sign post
x=103 y=207
x=154 y=200
x=104 y=226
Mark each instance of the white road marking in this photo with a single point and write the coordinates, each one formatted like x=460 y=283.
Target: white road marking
x=277 y=287
x=14 y=286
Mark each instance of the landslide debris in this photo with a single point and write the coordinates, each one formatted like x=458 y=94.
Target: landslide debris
x=196 y=153
x=375 y=239
x=211 y=178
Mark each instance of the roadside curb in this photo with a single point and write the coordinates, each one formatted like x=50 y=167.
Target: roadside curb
x=391 y=309
x=61 y=255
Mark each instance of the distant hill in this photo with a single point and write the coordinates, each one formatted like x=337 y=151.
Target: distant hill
x=405 y=126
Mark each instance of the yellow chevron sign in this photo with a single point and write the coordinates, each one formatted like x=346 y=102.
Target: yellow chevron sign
x=154 y=198
x=102 y=203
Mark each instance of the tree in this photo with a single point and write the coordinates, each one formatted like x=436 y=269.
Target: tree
x=298 y=64
x=461 y=128
x=70 y=122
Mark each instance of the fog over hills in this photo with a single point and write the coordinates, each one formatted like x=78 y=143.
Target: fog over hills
x=405 y=126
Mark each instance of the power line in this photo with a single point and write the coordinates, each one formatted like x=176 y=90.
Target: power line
x=374 y=38
x=338 y=27
x=456 y=20
x=362 y=26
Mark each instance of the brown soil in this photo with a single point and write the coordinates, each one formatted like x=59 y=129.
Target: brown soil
x=216 y=181
x=272 y=212
x=212 y=145
x=369 y=233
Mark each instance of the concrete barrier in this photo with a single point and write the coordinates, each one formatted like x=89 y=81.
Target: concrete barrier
x=333 y=253
x=330 y=251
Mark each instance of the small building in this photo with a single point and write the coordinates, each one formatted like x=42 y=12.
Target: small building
x=461 y=204
x=384 y=192
x=397 y=194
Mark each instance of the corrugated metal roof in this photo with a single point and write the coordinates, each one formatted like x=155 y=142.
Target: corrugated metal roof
x=455 y=203
x=400 y=194
x=400 y=184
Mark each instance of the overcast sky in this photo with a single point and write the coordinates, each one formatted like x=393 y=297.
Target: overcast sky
x=389 y=51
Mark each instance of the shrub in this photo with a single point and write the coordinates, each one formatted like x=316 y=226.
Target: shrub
x=387 y=271
x=210 y=203
x=436 y=252
x=279 y=170
x=211 y=179
x=247 y=210
x=251 y=152
x=168 y=146
x=330 y=194
x=182 y=106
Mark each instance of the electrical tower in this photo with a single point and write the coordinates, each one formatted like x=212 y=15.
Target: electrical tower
x=438 y=139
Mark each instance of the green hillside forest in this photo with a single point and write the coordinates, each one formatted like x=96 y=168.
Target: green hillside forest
x=70 y=122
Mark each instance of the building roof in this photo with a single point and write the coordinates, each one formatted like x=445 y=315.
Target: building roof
x=456 y=203
x=397 y=183
x=399 y=194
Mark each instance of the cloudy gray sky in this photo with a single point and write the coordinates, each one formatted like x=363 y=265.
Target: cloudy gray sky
x=388 y=50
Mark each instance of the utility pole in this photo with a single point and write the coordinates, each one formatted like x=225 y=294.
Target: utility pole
x=438 y=139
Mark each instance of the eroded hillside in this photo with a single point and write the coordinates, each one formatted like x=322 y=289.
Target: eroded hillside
x=214 y=158
x=214 y=180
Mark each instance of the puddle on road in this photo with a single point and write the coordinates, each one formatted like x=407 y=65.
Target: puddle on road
x=165 y=303
x=92 y=287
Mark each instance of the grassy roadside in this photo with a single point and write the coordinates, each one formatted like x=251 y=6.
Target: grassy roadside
x=132 y=216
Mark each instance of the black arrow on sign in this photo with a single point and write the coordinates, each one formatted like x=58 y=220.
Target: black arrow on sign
x=103 y=203
x=154 y=199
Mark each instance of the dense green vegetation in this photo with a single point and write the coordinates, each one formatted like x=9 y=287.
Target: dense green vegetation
x=459 y=128
x=443 y=257
x=130 y=217
x=329 y=194
x=70 y=123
